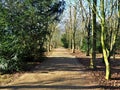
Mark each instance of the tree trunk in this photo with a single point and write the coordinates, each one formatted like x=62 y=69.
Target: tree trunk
x=88 y=41
x=74 y=43
x=74 y=31
x=105 y=51
x=105 y=56
x=49 y=45
x=92 y=62
x=71 y=43
x=118 y=15
x=88 y=33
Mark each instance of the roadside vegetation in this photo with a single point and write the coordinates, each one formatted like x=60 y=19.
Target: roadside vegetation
x=26 y=29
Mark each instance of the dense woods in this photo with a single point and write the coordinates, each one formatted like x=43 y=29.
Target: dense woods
x=28 y=28
x=25 y=27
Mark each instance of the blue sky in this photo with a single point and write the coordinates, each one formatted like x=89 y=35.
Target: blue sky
x=65 y=15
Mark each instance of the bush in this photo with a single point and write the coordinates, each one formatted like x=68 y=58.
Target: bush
x=11 y=65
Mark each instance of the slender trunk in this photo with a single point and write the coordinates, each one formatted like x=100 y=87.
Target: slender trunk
x=118 y=15
x=70 y=28
x=74 y=31
x=88 y=32
x=88 y=41
x=49 y=47
x=107 y=76
x=69 y=38
x=71 y=43
x=92 y=62
x=114 y=54
x=105 y=51
x=74 y=44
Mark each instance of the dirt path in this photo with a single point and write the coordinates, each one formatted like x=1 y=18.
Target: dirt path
x=60 y=72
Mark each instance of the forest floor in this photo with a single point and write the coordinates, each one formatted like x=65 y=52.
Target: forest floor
x=63 y=71
x=99 y=72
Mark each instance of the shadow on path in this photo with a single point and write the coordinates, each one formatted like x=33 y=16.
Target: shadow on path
x=57 y=72
x=60 y=64
x=27 y=87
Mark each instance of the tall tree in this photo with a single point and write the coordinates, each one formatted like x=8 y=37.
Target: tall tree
x=92 y=64
x=71 y=28
x=74 y=29
x=103 y=36
x=88 y=31
x=118 y=15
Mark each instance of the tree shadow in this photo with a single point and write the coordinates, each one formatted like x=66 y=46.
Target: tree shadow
x=115 y=64
x=27 y=87
x=59 y=64
x=52 y=64
x=99 y=72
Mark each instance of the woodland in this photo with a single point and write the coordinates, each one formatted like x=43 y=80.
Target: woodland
x=30 y=28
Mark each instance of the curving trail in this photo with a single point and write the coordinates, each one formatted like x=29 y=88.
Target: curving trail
x=60 y=72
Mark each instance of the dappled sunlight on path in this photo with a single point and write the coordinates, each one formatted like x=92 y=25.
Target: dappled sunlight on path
x=60 y=71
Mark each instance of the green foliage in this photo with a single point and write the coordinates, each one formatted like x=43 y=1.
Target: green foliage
x=98 y=45
x=84 y=45
x=10 y=65
x=23 y=31
x=64 y=41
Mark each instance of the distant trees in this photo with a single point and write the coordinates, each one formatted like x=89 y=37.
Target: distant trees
x=70 y=36
x=52 y=30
